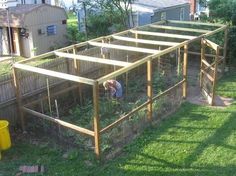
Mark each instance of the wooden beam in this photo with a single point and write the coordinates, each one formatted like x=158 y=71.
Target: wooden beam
x=45 y=55
x=207 y=64
x=121 y=119
x=167 y=35
x=149 y=90
x=168 y=90
x=96 y=119
x=215 y=31
x=126 y=48
x=144 y=60
x=210 y=44
x=195 y=23
x=151 y=42
x=18 y=97
x=225 y=47
x=60 y=122
x=203 y=51
x=179 y=28
x=207 y=75
x=215 y=75
x=199 y=54
x=77 y=71
x=54 y=74
x=185 y=72
x=93 y=59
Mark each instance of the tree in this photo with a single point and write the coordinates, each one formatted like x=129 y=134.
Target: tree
x=225 y=11
x=124 y=7
x=222 y=9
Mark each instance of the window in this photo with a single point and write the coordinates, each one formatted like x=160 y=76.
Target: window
x=181 y=15
x=51 y=30
x=163 y=16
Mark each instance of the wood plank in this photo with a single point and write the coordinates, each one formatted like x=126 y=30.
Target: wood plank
x=151 y=42
x=207 y=95
x=215 y=31
x=215 y=75
x=185 y=70
x=36 y=57
x=199 y=54
x=195 y=23
x=126 y=48
x=167 y=35
x=18 y=97
x=149 y=90
x=225 y=47
x=96 y=120
x=211 y=44
x=60 y=122
x=207 y=75
x=54 y=74
x=121 y=119
x=168 y=90
x=93 y=59
x=202 y=54
x=208 y=65
x=179 y=28
x=142 y=61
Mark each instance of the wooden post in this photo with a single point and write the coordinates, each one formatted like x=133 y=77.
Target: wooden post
x=179 y=61
x=203 y=50
x=18 y=98
x=96 y=119
x=185 y=64
x=225 y=48
x=49 y=97
x=126 y=78
x=77 y=71
x=149 y=89
x=136 y=37
x=215 y=75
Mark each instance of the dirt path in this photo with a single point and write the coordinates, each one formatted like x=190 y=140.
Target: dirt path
x=194 y=92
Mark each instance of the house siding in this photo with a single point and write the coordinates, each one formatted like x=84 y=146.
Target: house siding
x=4 y=42
x=172 y=13
x=40 y=19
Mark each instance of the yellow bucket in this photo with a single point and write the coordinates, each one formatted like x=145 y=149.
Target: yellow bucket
x=5 y=140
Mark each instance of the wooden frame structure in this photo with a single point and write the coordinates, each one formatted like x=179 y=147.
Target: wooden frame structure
x=170 y=28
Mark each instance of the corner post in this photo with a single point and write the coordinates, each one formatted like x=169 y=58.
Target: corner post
x=185 y=67
x=203 y=49
x=149 y=89
x=77 y=71
x=215 y=75
x=96 y=119
x=225 y=47
x=18 y=97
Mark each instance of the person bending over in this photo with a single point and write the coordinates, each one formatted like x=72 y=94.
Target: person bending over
x=114 y=88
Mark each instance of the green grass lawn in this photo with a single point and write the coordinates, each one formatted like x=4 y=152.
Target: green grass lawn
x=196 y=141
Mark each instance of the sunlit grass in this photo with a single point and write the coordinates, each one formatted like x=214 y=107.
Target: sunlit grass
x=195 y=141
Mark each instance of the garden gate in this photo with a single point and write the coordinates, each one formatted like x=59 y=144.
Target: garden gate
x=209 y=69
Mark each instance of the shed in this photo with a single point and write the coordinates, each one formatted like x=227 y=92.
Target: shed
x=34 y=29
x=149 y=11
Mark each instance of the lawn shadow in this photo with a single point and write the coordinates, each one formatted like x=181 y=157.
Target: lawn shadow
x=157 y=165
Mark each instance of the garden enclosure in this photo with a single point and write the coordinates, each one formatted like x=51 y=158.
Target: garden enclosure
x=151 y=63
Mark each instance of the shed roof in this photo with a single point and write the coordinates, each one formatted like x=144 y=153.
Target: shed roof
x=155 y=5
x=17 y=14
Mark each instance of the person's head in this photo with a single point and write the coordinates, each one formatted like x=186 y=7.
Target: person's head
x=106 y=85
